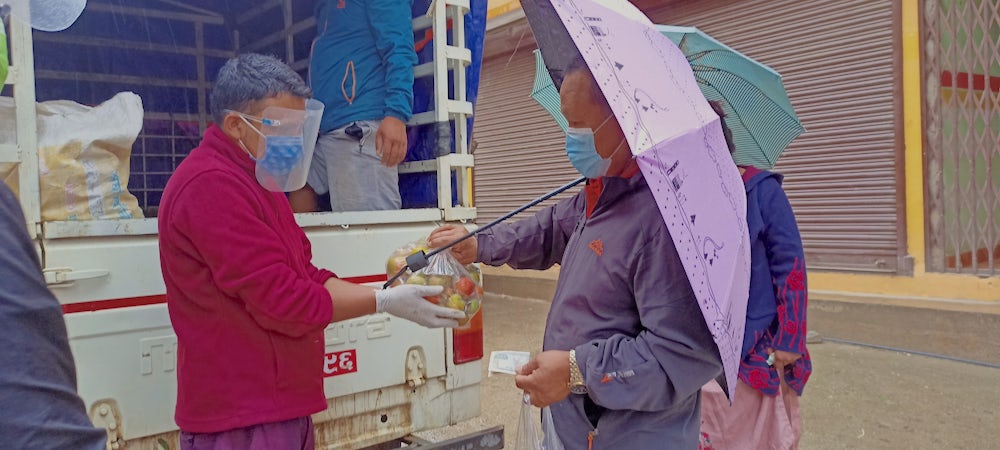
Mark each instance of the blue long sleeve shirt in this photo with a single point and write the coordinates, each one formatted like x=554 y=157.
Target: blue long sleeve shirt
x=362 y=61
x=776 y=311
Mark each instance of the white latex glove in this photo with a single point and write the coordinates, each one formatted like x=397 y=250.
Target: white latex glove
x=407 y=301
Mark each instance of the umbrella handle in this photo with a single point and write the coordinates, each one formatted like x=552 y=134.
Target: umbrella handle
x=419 y=260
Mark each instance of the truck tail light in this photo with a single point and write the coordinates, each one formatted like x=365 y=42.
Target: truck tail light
x=468 y=340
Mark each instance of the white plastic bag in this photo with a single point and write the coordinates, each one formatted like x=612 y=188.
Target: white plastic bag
x=527 y=427
x=529 y=437
x=550 y=440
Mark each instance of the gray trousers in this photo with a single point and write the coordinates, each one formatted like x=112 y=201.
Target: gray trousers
x=352 y=172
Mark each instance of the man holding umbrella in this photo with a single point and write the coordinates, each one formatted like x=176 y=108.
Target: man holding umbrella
x=758 y=122
x=626 y=348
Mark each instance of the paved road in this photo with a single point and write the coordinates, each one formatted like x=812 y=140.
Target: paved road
x=858 y=397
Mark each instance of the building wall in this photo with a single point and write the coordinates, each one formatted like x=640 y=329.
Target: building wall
x=922 y=285
x=917 y=283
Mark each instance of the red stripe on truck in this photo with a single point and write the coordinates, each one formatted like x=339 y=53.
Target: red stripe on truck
x=101 y=305
x=117 y=303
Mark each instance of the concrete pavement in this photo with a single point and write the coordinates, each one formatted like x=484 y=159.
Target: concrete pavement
x=858 y=397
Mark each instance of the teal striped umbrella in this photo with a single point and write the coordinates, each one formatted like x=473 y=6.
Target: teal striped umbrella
x=753 y=97
x=545 y=92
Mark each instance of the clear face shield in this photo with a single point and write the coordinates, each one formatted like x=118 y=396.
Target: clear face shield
x=286 y=144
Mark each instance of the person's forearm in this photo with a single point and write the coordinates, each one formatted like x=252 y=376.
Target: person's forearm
x=303 y=200
x=537 y=242
x=350 y=300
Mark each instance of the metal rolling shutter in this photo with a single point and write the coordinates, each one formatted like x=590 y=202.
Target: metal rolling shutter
x=838 y=59
x=519 y=152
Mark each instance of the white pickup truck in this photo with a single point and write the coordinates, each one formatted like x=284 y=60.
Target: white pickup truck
x=386 y=379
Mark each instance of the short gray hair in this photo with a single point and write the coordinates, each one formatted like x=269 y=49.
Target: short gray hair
x=250 y=78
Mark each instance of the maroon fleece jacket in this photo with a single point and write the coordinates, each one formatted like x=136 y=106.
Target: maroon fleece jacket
x=248 y=306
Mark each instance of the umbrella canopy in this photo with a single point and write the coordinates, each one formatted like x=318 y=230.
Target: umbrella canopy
x=757 y=107
x=545 y=93
x=678 y=144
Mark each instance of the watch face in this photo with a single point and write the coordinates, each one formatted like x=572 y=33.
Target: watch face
x=580 y=389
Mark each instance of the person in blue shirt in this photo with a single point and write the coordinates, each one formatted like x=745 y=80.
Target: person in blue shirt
x=362 y=70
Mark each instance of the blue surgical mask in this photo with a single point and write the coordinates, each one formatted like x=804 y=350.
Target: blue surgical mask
x=281 y=154
x=582 y=152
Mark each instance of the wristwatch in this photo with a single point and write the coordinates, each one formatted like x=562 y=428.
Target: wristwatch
x=576 y=382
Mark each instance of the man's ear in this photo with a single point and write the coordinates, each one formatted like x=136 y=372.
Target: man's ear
x=232 y=125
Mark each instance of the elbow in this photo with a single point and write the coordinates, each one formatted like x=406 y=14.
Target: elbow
x=312 y=314
x=297 y=323
x=292 y=329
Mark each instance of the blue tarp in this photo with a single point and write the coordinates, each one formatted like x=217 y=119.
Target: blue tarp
x=419 y=190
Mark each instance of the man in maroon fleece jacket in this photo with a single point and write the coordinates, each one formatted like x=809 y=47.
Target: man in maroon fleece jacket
x=248 y=306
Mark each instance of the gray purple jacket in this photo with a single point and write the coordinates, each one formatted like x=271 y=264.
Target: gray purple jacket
x=624 y=303
x=39 y=406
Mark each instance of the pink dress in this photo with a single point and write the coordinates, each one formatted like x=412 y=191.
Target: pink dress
x=754 y=422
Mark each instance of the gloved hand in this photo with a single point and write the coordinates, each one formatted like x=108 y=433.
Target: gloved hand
x=407 y=301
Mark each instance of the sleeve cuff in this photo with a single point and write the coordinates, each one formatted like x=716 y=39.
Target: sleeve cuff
x=786 y=344
x=322 y=275
x=326 y=311
x=405 y=117
x=482 y=251
x=583 y=359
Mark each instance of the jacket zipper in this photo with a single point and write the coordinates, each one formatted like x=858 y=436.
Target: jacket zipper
x=581 y=225
x=590 y=439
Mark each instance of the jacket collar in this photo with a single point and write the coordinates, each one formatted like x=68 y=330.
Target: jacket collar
x=752 y=176
x=216 y=140
x=606 y=191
